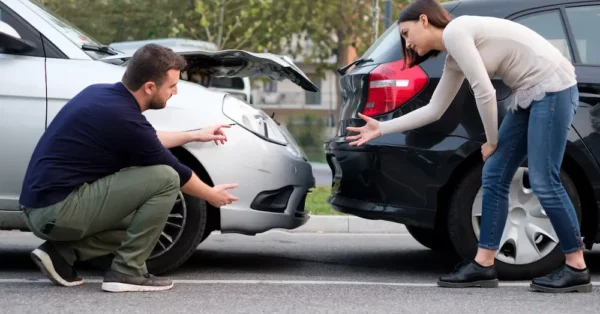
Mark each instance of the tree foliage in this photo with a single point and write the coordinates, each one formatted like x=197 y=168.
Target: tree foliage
x=277 y=26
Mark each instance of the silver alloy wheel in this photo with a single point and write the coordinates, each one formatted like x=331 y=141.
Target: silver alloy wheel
x=528 y=235
x=173 y=228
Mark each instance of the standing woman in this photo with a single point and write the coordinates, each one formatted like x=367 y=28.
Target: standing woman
x=544 y=100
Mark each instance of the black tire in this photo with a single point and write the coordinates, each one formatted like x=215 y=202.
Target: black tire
x=431 y=238
x=192 y=235
x=464 y=238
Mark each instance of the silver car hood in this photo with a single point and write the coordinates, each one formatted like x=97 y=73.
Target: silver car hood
x=240 y=63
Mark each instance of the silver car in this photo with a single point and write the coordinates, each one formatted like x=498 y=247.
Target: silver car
x=44 y=61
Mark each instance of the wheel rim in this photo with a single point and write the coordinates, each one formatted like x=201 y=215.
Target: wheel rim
x=528 y=235
x=173 y=228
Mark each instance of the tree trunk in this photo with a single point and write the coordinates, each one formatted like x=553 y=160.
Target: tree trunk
x=221 y=19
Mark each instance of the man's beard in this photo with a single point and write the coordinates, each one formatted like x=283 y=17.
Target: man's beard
x=156 y=104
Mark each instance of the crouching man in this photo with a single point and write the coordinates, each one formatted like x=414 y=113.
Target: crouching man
x=101 y=179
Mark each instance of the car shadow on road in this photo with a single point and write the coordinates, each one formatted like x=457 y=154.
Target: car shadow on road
x=322 y=264
x=16 y=260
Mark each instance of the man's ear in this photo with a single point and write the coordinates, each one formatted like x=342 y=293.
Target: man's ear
x=149 y=88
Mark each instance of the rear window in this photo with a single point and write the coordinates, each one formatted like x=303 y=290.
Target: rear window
x=387 y=47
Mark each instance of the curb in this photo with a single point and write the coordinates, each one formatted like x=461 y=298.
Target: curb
x=330 y=224
x=348 y=224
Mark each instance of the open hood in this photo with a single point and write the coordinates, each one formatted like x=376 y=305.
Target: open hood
x=240 y=63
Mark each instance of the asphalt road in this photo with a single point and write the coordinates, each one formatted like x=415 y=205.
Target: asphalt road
x=286 y=273
x=322 y=173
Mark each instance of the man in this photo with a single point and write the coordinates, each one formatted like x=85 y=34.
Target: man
x=101 y=180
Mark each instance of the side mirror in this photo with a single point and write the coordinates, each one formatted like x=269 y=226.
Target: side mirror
x=10 y=43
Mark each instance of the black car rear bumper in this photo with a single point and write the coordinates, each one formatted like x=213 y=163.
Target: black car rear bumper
x=392 y=180
x=408 y=216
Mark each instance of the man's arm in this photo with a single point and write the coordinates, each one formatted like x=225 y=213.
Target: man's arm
x=217 y=196
x=195 y=187
x=139 y=139
x=174 y=139
x=134 y=136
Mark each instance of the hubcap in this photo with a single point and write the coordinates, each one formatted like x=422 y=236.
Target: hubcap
x=528 y=235
x=173 y=228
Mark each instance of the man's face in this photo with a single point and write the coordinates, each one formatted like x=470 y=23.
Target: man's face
x=162 y=93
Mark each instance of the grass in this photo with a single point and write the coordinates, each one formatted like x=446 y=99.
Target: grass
x=318 y=156
x=316 y=201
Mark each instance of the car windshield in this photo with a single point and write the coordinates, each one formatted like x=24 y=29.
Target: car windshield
x=74 y=34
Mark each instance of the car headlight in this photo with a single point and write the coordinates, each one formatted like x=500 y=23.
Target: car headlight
x=252 y=119
x=259 y=123
x=293 y=146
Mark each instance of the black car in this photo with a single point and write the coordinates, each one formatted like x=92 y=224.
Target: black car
x=430 y=178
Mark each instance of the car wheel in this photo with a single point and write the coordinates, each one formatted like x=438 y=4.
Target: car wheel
x=529 y=246
x=181 y=236
x=431 y=238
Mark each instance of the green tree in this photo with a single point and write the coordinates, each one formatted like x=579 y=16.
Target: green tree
x=118 y=20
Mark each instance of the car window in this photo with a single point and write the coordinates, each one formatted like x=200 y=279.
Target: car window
x=387 y=47
x=74 y=34
x=549 y=25
x=585 y=22
x=25 y=31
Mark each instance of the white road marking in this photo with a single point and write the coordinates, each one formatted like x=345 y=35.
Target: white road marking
x=325 y=233
x=282 y=282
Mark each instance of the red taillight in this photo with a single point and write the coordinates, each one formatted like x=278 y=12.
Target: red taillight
x=390 y=87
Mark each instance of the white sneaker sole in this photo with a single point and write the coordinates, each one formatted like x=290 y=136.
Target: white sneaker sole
x=125 y=287
x=43 y=261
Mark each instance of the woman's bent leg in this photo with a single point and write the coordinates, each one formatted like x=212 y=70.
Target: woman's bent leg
x=497 y=175
x=549 y=124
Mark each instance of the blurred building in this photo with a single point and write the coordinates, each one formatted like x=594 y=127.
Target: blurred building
x=287 y=100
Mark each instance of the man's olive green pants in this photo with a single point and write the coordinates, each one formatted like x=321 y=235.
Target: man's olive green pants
x=123 y=214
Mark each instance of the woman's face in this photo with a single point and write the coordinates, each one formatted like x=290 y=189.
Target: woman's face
x=417 y=35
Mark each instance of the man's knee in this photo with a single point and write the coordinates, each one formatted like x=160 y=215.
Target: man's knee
x=168 y=174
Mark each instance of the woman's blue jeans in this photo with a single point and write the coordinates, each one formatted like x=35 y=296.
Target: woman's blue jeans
x=540 y=134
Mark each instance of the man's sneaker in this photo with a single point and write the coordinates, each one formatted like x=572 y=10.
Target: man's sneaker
x=564 y=279
x=54 y=266
x=470 y=274
x=118 y=282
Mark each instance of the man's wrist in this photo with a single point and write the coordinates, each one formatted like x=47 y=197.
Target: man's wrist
x=192 y=136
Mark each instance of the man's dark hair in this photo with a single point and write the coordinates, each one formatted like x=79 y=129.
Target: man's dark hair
x=436 y=15
x=150 y=63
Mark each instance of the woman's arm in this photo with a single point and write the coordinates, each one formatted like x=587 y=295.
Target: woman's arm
x=460 y=44
x=441 y=99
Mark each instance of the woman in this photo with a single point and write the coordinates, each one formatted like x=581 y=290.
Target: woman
x=543 y=103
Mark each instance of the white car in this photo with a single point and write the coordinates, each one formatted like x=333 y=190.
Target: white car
x=44 y=61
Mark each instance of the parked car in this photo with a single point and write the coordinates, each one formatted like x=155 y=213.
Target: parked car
x=45 y=61
x=237 y=86
x=430 y=178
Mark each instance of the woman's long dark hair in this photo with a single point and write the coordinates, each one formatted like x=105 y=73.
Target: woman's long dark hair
x=436 y=15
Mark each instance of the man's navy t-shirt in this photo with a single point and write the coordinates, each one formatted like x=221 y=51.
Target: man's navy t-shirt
x=97 y=133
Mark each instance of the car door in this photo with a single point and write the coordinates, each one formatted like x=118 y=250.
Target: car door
x=583 y=23
x=549 y=23
x=22 y=106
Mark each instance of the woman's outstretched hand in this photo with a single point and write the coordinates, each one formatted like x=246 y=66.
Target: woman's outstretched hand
x=367 y=132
